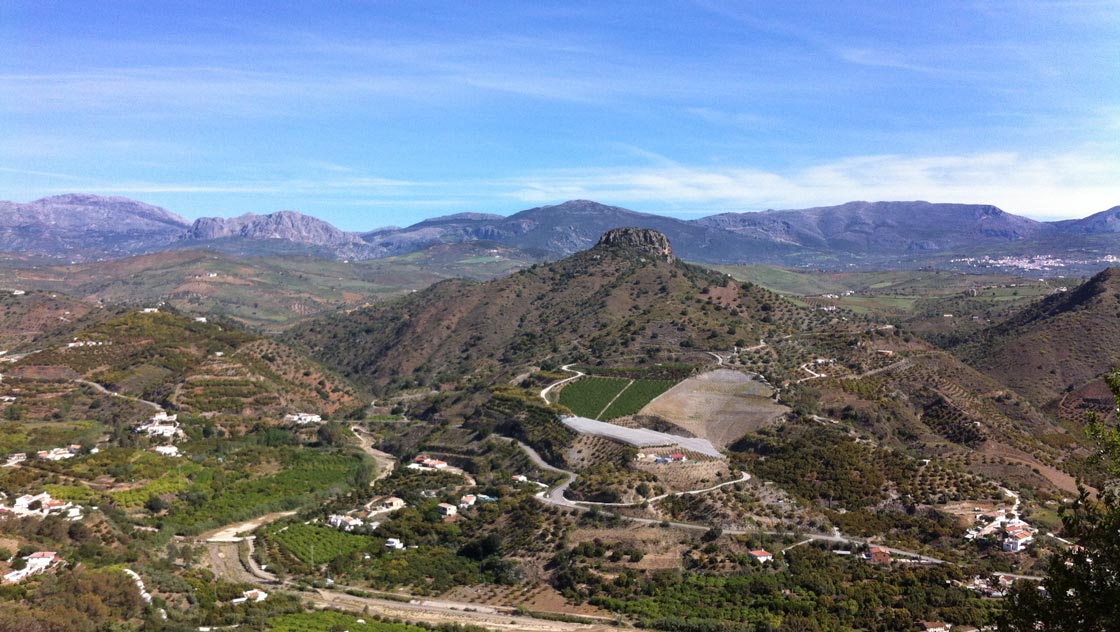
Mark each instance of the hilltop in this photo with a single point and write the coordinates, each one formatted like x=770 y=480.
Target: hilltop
x=192 y=365
x=28 y=316
x=628 y=295
x=1059 y=343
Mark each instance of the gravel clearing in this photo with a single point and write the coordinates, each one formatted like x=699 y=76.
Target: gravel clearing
x=721 y=406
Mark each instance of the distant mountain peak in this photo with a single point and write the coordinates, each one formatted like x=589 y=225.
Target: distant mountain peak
x=645 y=241
x=582 y=206
x=289 y=225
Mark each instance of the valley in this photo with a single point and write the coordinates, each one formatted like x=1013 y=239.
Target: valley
x=615 y=438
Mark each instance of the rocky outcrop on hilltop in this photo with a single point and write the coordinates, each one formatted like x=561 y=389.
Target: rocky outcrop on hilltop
x=642 y=240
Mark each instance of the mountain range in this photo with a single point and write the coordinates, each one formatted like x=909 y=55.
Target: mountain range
x=83 y=227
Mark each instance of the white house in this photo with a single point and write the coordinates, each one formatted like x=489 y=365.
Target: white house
x=56 y=454
x=255 y=595
x=393 y=503
x=467 y=501
x=37 y=562
x=303 y=418
x=762 y=556
x=447 y=509
x=160 y=425
x=1017 y=540
x=46 y=504
x=394 y=543
x=149 y=310
x=167 y=450
x=346 y=523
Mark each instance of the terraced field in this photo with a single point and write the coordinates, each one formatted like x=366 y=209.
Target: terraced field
x=606 y=398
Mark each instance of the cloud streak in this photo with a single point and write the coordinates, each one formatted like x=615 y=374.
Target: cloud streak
x=1062 y=186
x=1069 y=185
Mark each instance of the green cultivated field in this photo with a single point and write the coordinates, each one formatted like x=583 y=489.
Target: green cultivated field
x=328 y=621
x=309 y=475
x=329 y=543
x=592 y=397
x=633 y=399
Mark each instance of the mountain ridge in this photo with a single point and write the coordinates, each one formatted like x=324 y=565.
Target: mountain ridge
x=906 y=233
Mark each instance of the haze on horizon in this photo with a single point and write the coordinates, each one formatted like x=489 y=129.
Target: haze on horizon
x=372 y=114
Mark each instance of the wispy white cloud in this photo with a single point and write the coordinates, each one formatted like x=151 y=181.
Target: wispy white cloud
x=1069 y=185
x=1065 y=185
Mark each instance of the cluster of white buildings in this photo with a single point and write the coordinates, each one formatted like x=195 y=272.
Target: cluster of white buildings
x=303 y=418
x=353 y=520
x=995 y=588
x=59 y=454
x=42 y=505
x=38 y=562
x=160 y=425
x=1016 y=533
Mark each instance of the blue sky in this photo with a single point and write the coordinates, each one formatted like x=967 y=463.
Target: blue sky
x=381 y=113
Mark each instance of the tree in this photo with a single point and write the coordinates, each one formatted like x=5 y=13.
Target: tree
x=155 y=504
x=1081 y=592
x=334 y=434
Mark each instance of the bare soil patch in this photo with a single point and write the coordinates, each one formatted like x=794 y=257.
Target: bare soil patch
x=720 y=406
x=538 y=597
x=1054 y=476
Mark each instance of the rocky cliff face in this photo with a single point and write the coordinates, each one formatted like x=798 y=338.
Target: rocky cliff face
x=642 y=240
x=287 y=225
x=81 y=227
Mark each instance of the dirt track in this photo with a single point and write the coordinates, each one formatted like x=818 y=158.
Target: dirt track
x=441 y=612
